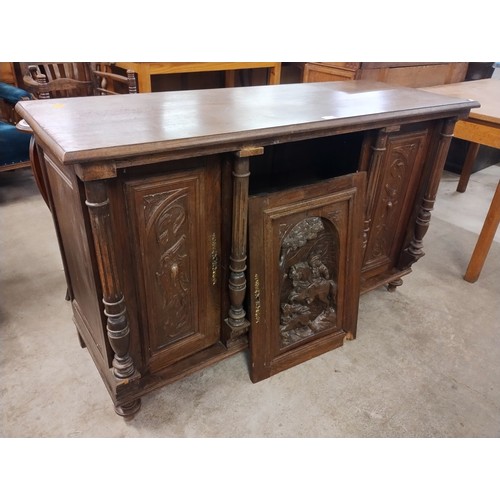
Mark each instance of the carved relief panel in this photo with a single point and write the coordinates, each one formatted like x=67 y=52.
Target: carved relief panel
x=177 y=248
x=308 y=271
x=395 y=192
x=305 y=249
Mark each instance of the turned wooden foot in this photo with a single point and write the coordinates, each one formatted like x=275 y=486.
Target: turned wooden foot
x=392 y=285
x=129 y=410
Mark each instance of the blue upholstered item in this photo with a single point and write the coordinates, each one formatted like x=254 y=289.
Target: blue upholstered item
x=12 y=94
x=14 y=144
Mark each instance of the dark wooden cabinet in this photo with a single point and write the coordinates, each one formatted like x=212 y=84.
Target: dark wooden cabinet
x=191 y=222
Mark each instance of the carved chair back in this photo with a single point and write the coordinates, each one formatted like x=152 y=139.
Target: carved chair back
x=53 y=80
x=46 y=80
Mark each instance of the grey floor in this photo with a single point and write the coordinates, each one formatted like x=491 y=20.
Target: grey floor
x=425 y=362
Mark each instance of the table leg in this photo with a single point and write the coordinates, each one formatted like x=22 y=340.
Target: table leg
x=485 y=239
x=274 y=74
x=470 y=158
x=144 y=79
x=230 y=77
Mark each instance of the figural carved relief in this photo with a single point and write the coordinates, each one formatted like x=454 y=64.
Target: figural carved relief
x=308 y=267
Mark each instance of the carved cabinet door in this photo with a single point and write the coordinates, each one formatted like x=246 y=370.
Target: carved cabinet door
x=394 y=194
x=176 y=243
x=305 y=264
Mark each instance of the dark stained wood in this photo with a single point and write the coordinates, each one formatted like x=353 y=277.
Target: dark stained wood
x=415 y=249
x=59 y=80
x=305 y=271
x=46 y=80
x=236 y=321
x=378 y=151
x=106 y=82
x=117 y=325
x=150 y=196
x=393 y=197
x=37 y=170
x=87 y=129
x=176 y=250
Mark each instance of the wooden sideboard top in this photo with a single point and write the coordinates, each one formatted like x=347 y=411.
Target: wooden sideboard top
x=90 y=129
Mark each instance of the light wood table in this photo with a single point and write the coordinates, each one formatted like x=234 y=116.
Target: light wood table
x=485 y=239
x=145 y=70
x=482 y=127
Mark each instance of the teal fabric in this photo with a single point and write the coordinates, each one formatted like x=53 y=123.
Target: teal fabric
x=12 y=94
x=14 y=144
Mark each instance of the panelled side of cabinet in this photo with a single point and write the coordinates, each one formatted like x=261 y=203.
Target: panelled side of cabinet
x=72 y=223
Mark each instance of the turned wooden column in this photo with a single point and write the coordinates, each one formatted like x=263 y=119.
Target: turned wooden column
x=132 y=82
x=236 y=323
x=415 y=249
x=114 y=304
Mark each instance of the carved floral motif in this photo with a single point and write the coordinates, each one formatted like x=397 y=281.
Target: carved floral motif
x=392 y=192
x=167 y=230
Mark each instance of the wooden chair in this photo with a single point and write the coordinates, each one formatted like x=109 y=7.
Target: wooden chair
x=108 y=82
x=46 y=80
x=55 y=80
x=58 y=80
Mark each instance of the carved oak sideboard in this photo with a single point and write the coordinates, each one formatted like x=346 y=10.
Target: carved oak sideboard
x=195 y=224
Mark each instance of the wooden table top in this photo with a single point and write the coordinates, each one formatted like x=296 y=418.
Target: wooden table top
x=82 y=129
x=486 y=92
x=163 y=68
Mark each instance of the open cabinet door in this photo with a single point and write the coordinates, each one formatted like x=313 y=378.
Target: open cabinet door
x=305 y=265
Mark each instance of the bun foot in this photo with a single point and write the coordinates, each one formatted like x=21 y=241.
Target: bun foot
x=392 y=285
x=129 y=410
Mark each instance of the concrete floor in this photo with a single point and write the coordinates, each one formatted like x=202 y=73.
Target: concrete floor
x=424 y=364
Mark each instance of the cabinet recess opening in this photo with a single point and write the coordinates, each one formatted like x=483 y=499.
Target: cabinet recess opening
x=297 y=163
